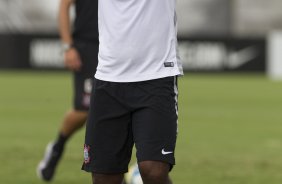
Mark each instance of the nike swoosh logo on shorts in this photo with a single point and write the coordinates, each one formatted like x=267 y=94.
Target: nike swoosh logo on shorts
x=166 y=152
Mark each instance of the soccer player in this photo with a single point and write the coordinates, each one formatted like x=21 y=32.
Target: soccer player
x=134 y=96
x=81 y=57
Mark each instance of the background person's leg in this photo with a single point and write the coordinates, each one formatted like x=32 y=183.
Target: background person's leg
x=73 y=121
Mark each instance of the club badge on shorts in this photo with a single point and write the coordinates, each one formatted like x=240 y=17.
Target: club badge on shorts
x=86 y=154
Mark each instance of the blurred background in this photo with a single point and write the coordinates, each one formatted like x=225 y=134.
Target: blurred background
x=230 y=120
x=214 y=35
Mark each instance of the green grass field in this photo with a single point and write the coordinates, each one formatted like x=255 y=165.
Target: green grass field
x=230 y=128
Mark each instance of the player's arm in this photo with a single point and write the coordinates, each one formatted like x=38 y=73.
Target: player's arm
x=71 y=56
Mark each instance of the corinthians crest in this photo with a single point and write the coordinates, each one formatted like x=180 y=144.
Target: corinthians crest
x=86 y=154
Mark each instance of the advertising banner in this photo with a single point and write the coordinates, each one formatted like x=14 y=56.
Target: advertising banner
x=222 y=54
x=197 y=54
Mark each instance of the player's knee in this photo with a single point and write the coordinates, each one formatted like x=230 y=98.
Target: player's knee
x=107 y=178
x=154 y=171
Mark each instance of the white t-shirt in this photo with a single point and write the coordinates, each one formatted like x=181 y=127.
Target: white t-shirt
x=137 y=40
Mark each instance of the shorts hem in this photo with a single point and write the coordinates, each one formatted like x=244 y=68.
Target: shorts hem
x=83 y=109
x=97 y=171
x=171 y=163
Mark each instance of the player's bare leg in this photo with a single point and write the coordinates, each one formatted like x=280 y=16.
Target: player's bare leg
x=107 y=178
x=73 y=121
x=154 y=172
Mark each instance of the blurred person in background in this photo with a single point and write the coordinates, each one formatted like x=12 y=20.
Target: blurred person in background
x=80 y=48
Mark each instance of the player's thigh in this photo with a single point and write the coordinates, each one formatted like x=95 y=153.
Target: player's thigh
x=155 y=125
x=108 y=133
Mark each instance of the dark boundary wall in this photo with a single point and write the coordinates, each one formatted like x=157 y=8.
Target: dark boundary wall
x=15 y=49
x=38 y=51
x=223 y=54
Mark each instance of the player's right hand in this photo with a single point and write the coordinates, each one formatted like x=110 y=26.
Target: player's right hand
x=72 y=59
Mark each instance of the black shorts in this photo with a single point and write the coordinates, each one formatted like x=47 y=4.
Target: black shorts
x=123 y=114
x=83 y=79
